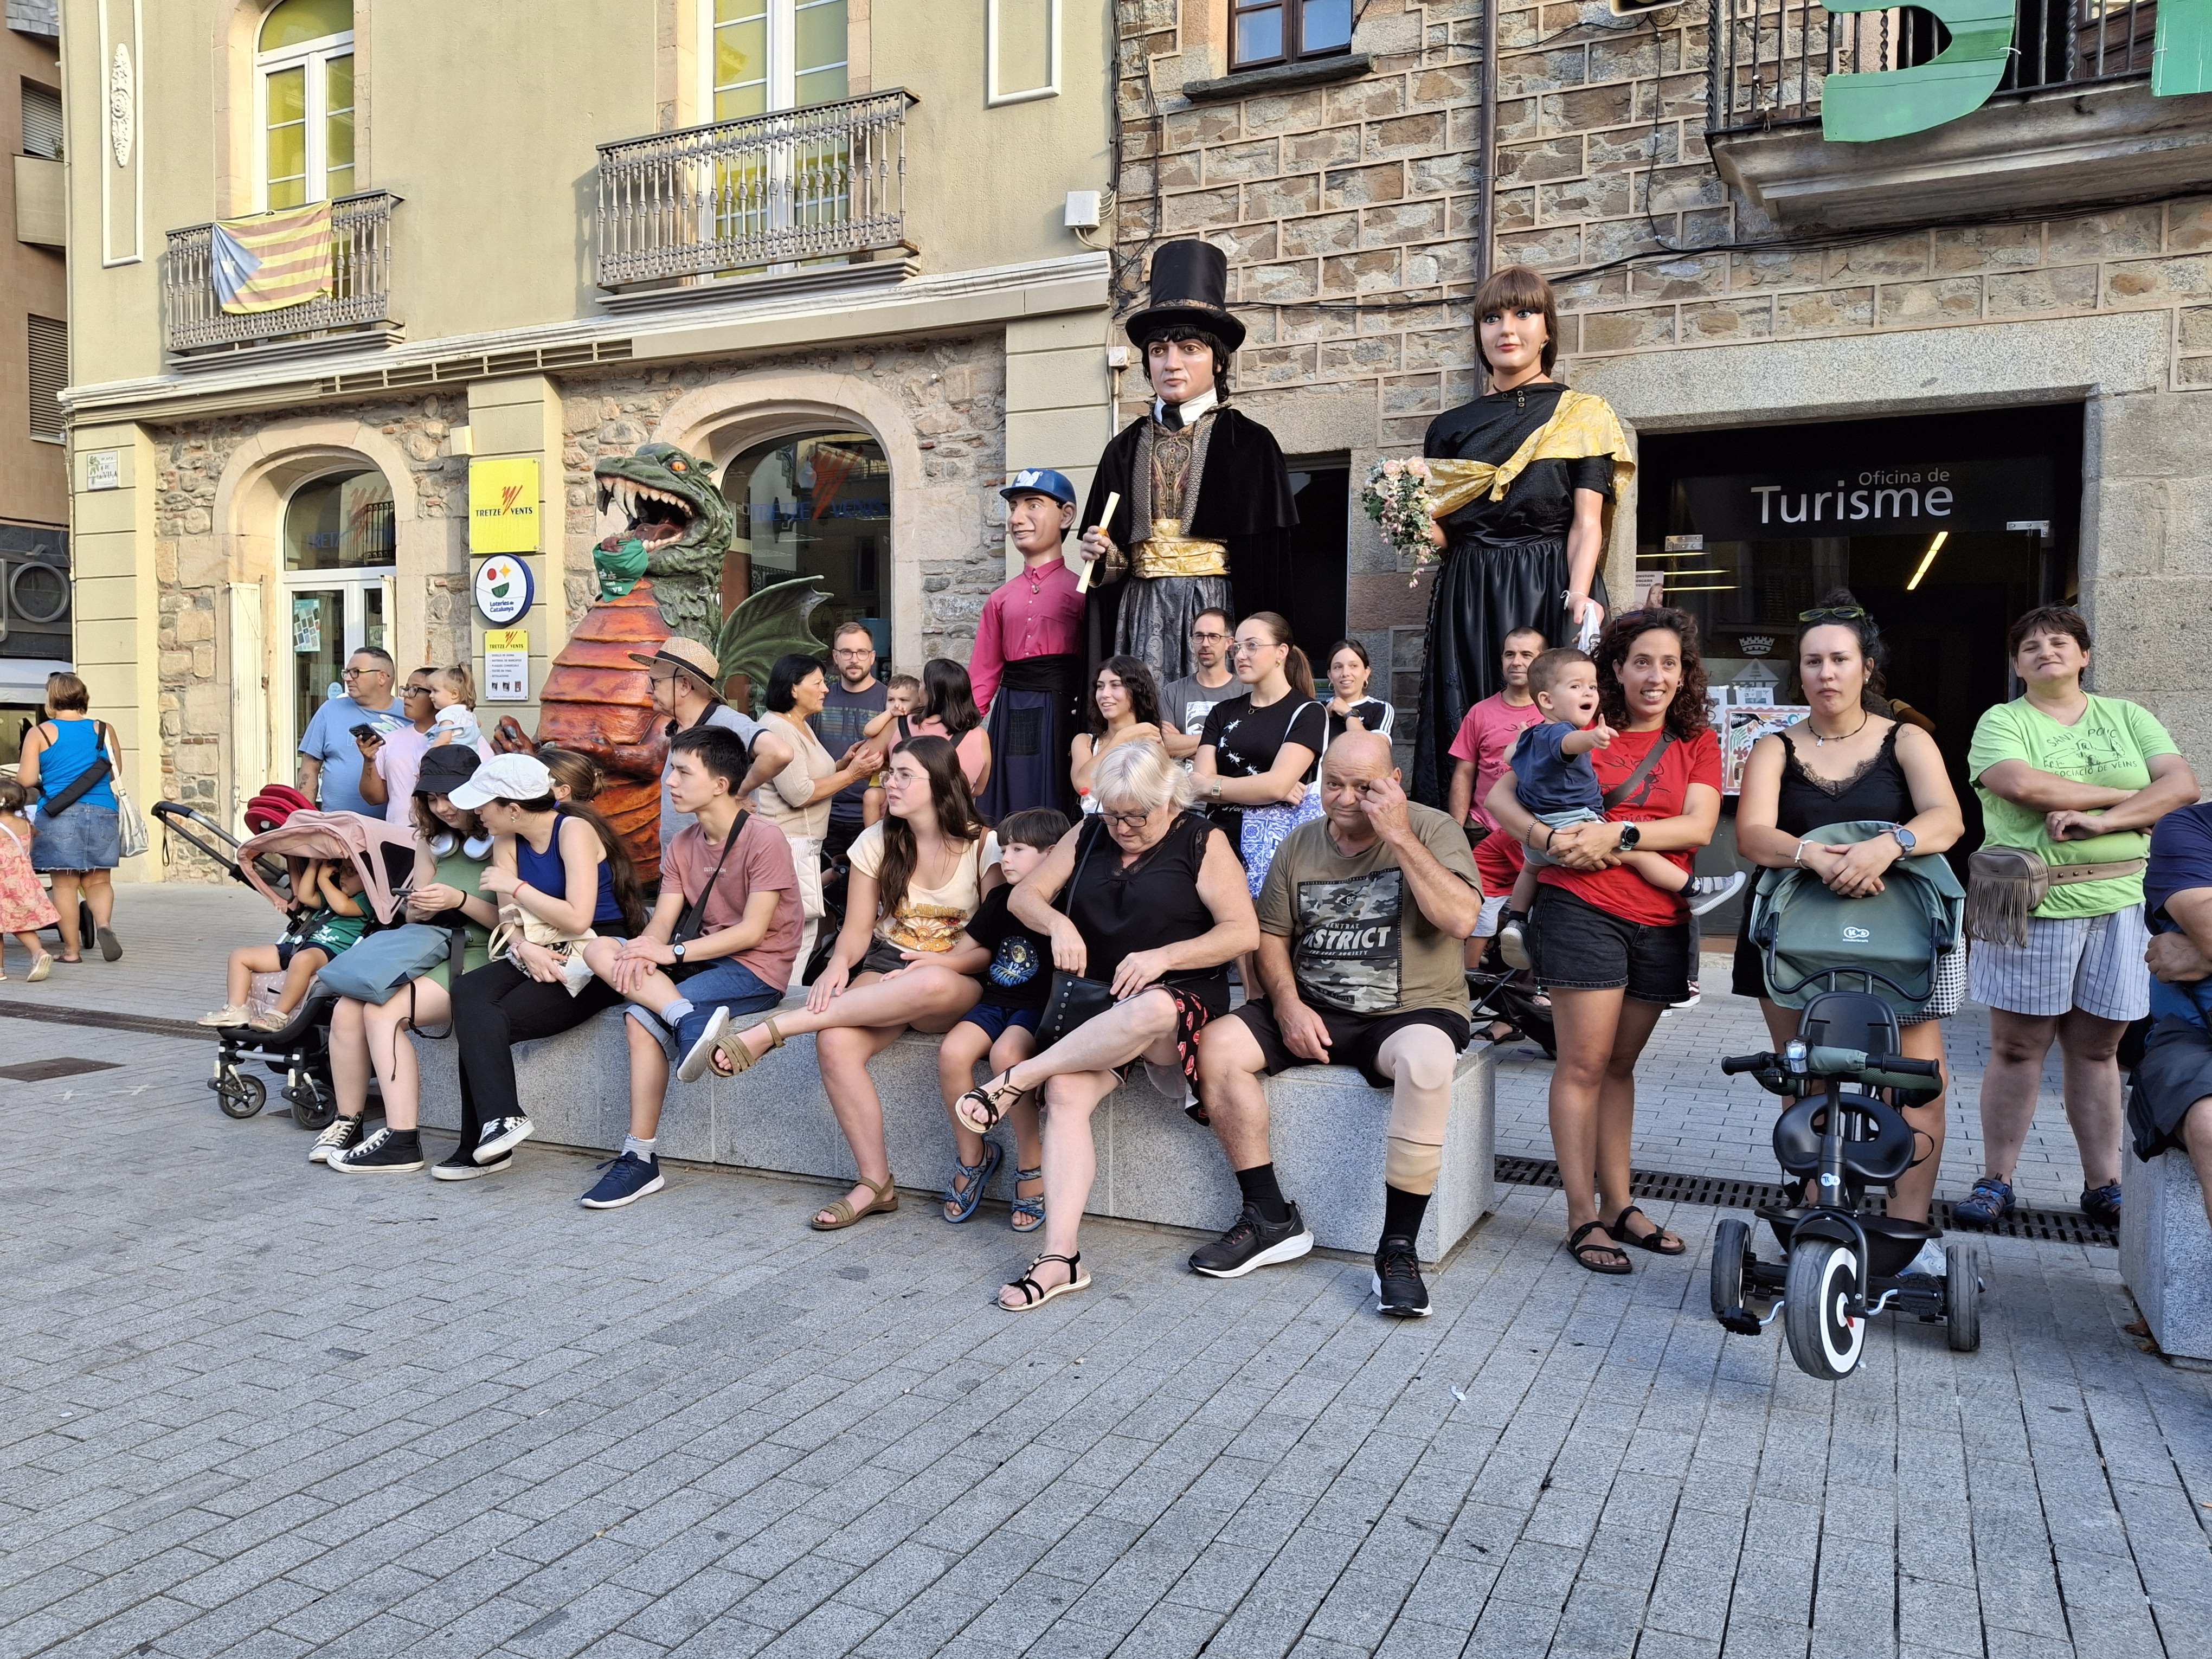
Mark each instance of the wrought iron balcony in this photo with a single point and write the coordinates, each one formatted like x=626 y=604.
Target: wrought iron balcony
x=783 y=189
x=1771 y=57
x=360 y=300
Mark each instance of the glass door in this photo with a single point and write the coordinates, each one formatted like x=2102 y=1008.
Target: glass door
x=339 y=558
x=329 y=622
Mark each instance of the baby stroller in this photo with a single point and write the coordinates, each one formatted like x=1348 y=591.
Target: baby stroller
x=1842 y=1264
x=300 y=1053
x=1499 y=997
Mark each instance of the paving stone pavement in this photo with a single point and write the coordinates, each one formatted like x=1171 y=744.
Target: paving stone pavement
x=254 y=1408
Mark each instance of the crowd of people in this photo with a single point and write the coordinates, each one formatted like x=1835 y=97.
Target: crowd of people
x=1068 y=857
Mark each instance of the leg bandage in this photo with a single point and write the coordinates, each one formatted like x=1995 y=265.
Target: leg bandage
x=1412 y=1166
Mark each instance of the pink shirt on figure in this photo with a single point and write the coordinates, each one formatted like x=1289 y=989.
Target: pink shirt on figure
x=1032 y=614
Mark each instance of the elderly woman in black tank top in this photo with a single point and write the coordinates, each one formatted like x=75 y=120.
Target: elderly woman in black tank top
x=1146 y=896
x=1845 y=763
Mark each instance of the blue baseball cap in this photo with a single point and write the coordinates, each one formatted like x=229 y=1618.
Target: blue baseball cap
x=1041 y=480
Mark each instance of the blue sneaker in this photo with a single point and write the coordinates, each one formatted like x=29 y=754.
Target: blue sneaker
x=627 y=1179
x=2102 y=1204
x=1990 y=1201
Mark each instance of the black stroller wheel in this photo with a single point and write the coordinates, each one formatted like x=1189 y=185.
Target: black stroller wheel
x=1962 y=1299
x=241 y=1096
x=314 y=1106
x=1731 y=1243
x=1824 y=1338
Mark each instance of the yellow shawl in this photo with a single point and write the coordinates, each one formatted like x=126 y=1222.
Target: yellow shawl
x=1583 y=425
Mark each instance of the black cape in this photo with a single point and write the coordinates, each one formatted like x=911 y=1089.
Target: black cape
x=1244 y=500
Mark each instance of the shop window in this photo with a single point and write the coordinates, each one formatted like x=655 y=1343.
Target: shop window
x=42 y=121
x=304 y=76
x=1021 y=51
x=1265 y=32
x=340 y=551
x=814 y=506
x=48 y=340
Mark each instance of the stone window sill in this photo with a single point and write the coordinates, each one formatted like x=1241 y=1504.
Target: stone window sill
x=1279 y=77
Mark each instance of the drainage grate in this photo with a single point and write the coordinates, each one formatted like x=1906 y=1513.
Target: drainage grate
x=2049 y=1226
x=39 y=1071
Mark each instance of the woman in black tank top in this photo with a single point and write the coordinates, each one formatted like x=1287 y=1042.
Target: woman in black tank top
x=1846 y=764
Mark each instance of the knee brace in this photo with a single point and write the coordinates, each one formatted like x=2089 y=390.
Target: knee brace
x=1412 y=1167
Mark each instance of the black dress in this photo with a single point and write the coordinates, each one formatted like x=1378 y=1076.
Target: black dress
x=1878 y=791
x=1504 y=566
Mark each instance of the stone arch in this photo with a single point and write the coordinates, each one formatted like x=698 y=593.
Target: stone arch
x=242 y=545
x=927 y=518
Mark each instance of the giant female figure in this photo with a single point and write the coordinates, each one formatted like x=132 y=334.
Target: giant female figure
x=1524 y=478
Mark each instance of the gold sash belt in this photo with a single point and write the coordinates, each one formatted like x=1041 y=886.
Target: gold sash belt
x=1168 y=552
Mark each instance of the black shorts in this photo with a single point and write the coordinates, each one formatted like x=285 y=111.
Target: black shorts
x=1353 y=1039
x=1578 y=947
x=2174 y=1073
x=996 y=1022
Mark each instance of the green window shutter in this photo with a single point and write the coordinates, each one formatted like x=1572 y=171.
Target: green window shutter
x=1858 y=109
x=2181 y=62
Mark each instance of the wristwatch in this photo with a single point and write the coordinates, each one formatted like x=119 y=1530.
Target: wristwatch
x=1215 y=793
x=677 y=950
x=1905 y=838
x=1630 y=834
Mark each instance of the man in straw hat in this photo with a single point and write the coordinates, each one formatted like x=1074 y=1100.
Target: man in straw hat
x=687 y=681
x=1205 y=504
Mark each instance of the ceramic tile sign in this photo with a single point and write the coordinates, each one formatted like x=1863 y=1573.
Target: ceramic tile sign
x=506 y=665
x=504 y=589
x=503 y=505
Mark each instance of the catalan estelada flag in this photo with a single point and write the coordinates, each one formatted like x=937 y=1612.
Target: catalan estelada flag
x=273 y=259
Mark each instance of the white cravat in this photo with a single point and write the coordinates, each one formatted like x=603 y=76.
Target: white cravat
x=1189 y=409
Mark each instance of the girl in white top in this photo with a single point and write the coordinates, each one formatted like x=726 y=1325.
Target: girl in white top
x=1349 y=674
x=1125 y=704
x=796 y=800
x=916 y=878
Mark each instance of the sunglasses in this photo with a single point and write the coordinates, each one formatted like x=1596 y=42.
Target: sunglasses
x=1843 y=613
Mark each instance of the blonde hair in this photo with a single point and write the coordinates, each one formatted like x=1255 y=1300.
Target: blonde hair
x=1141 y=774
x=458 y=680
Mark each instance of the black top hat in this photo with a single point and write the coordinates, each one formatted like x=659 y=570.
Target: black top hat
x=1189 y=289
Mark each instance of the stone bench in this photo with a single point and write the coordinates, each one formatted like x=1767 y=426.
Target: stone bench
x=2166 y=1252
x=1154 y=1164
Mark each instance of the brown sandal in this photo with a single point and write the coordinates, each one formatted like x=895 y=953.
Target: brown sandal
x=738 y=1058
x=885 y=1201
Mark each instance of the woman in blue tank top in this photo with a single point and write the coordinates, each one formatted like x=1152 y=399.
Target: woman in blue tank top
x=563 y=865
x=80 y=845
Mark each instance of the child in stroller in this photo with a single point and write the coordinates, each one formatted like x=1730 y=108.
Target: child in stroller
x=327 y=918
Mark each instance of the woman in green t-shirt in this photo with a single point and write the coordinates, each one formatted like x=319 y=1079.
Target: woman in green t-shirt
x=2077 y=780
x=451 y=850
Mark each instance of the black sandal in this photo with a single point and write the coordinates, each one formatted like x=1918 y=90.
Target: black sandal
x=1034 y=1295
x=1582 y=1253
x=1655 y=1241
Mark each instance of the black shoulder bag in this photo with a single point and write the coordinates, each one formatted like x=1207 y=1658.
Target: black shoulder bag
x=694 y=918
x=1621 y=791
x=85 y=782
x=1075 y=1000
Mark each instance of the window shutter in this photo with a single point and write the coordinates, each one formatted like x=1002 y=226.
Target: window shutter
x=42 y=122
x=49 y=374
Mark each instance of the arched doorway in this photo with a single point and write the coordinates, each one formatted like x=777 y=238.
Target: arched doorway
x=815 y=504
x=340 y=559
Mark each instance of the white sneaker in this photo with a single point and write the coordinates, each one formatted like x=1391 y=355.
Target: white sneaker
x=233 y=1015
x=1710 y=892
x=1931 y=1260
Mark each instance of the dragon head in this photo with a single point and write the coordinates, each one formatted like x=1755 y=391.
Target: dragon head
x=671 y=520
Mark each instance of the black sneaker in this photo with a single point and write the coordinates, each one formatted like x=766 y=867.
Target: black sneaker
x=1252 y=1243
x=501 y=1136
x=1399 y=1291
x=458 y=1165
x=2102 y=1204
x=380 y=1154
x=340 y=1137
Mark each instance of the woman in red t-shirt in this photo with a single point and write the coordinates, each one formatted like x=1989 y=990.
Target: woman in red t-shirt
x=1612 y=950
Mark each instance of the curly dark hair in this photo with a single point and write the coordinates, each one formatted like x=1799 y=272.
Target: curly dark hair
x=1688 y=714
x=1136 y=678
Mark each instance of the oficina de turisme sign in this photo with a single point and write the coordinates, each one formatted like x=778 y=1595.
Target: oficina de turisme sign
x=1858 y=109
x=1868 y=500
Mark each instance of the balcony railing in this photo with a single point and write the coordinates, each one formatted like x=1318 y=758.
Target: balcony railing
x=360 y=296
x=783 y=189
x=1771 y=57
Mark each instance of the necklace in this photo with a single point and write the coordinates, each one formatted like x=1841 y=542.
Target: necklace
x=1819 y=742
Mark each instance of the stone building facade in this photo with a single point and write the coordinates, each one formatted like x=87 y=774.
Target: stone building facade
x=1726 y=279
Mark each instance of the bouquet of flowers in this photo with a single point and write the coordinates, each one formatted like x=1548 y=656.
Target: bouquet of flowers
x=1396 y=496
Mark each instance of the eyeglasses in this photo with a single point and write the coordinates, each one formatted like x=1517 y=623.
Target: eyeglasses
x=1125 y=820
x=1843 y=613
x=359 y=673
x=1211 y=639
x=854 y=651
x=418 y=691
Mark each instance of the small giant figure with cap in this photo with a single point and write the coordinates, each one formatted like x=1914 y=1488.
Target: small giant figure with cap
x=1027 y=668
x=1206 y=511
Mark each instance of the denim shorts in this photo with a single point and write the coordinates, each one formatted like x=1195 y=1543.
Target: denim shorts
x=996 y=1022
x=85 y=837
x=723 y=983
x=1579 y=947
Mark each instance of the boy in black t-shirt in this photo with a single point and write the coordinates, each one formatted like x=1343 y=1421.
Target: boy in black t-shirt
x=1015 y=966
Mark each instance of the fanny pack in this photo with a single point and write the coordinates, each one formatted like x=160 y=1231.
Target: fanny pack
x=2004 y=885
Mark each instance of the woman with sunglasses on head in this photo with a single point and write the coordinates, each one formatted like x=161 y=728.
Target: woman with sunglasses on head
x=1260 y=752
x=1524 y=478
x=1850 y=760
x=1125 y=707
